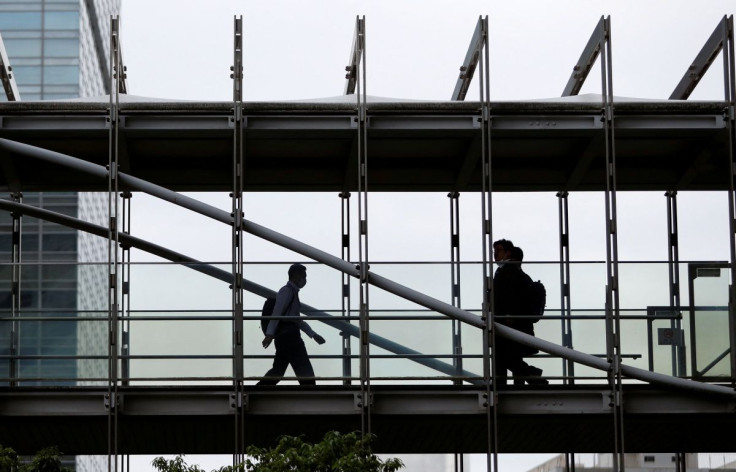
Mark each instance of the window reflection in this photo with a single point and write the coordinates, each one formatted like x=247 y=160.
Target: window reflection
x=65 y=20
x=61 y=47
x=61 y=74
x=21 y=20
x=23 y=47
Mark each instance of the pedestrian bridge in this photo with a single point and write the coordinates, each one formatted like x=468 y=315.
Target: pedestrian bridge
x=410 y=366
x=103 y=354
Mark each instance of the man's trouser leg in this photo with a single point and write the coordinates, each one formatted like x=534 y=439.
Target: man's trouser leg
x=280 y=362
x=300 y=362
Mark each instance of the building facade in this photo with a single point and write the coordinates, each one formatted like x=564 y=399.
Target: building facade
x=58 y=50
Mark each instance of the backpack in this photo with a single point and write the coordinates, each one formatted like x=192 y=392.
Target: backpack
x=536 y=300
x=266 y=313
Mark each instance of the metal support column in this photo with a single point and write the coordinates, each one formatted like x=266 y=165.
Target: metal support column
x=16 y=259
x=613 y=320
x=568 y=367
x=489 y=361
x=345 y=287
x=113 y=243
x=729 y=87
x=457 y=345
x=125 y=298
x=238 y=397
x=673 y=262
x=359 y=60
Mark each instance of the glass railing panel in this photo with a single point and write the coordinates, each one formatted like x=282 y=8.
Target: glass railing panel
x=426 y=352
x=190 y=345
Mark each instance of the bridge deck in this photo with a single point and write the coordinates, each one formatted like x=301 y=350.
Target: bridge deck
x=424 y=419
x=548 y=145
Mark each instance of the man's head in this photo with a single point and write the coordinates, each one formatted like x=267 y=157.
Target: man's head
x=517 y=255
x=502 y=250
x=298 y=275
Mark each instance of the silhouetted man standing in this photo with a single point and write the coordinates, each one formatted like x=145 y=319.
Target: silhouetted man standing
x=290 y=347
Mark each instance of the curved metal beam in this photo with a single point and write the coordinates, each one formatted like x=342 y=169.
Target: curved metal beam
x=225 y=276
x=134 y=183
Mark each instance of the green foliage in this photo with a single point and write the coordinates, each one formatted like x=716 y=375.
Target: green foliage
x=174 y=465
x=335 y=453
x=8 y=459
x=45 y=460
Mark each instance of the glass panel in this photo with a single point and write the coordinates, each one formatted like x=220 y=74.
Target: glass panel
x=61 y=74
x=20 y=20
x=30 y=75
x=711 y=327
x=59 y=242
x=67 y=20
x=23 y=48
x=61 y=48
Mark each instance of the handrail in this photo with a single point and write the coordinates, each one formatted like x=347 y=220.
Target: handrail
x=134 y=183
x=186 y=261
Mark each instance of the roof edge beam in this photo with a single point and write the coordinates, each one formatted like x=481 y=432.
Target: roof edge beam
x=467 y=70
x=6 y=75
x=702 y=62
x=356 y=54
x=587 y=59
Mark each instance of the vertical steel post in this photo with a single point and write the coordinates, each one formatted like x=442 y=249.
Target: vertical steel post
x=457 y=345
x=729 y=87
x=16 y=259
x=613 y=320
x=116 y=77
x=568 y=367
x=363 y=260
x=237 y=239
x=125 y=299
x=673 y=263
x=345 y=287
x=489 y=361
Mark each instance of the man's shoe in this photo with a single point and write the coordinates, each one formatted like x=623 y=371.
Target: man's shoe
x=535 y=376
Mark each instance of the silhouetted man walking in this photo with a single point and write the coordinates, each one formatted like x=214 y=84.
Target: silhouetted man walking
x=290 y=347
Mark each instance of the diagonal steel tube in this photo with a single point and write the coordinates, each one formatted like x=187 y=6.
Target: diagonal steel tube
x=134 y=183
x=225 y=276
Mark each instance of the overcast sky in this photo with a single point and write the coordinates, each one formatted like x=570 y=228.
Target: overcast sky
x=298 y=50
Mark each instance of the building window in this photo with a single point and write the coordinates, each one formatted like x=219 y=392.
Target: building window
x=20 y=20
x=648 y=458
x=28 y=75
x=61 y=47
x=23 y=47
x=61 y=20
x=61 y=75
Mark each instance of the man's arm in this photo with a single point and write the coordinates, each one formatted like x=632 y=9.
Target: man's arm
x=283 y=300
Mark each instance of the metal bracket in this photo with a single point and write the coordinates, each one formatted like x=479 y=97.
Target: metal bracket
x=6 y=75
x=591 y=52
x=358 y=400
x=702 y=62
x=472 y=57
x=111 y=401
x=238 y=400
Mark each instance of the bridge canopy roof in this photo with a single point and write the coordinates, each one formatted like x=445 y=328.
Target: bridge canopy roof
x=311 y=145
